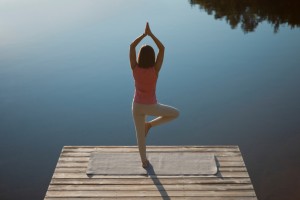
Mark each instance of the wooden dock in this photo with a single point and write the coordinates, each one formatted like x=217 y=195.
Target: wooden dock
x=70 y=181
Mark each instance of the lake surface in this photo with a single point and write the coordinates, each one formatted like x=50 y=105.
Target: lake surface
x=65 y=80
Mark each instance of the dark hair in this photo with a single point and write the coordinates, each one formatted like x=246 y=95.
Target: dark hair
x=146 y=57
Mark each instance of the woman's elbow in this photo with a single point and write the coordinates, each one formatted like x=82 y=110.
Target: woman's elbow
x=161 y=49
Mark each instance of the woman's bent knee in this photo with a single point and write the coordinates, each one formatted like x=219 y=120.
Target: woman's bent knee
x=176 y=113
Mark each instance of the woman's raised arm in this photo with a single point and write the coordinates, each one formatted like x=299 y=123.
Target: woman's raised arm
x=132 y=52
x=161 y=49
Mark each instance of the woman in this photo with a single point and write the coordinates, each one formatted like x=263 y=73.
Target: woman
x=145 y=72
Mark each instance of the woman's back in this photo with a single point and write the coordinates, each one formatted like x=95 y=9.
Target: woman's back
x=145 y=85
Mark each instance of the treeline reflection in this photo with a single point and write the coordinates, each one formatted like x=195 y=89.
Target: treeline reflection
x=249 y=13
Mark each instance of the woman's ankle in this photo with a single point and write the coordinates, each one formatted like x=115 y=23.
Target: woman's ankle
x=145 y=163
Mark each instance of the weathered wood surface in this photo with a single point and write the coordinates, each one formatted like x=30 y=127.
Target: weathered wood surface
x=70 y=182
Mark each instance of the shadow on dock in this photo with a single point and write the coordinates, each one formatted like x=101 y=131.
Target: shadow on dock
x=151 y=173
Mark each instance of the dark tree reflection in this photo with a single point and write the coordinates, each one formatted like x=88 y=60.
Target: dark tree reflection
x=249 y=13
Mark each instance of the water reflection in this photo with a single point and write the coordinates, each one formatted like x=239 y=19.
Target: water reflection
x=250 y=13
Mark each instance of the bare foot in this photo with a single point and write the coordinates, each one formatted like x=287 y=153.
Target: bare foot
x=147 y=128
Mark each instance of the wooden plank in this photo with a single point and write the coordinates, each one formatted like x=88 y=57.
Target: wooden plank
x=86 y=159
x=152 y=149
x=125 y=150
x=83 y=169
x=153 y=193
x=210 y=187
x=155 y=146
x=164 y=181
x=172 y=148
x=83 y=175
x=152 y=198
x=85 y=164
x=87 y=154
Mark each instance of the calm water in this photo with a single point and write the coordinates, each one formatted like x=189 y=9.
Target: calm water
x=65 y=80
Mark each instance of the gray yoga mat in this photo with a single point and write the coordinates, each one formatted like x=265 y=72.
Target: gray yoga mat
x=161 y=163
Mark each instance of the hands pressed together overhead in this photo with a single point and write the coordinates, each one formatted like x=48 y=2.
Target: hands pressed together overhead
x=148 y=30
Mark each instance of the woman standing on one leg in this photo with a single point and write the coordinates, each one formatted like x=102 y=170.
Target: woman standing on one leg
x=145 y=72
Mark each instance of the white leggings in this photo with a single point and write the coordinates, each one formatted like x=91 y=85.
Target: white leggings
x=164 y=114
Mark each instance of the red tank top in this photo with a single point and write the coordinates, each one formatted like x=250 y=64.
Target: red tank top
x=145 y=85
